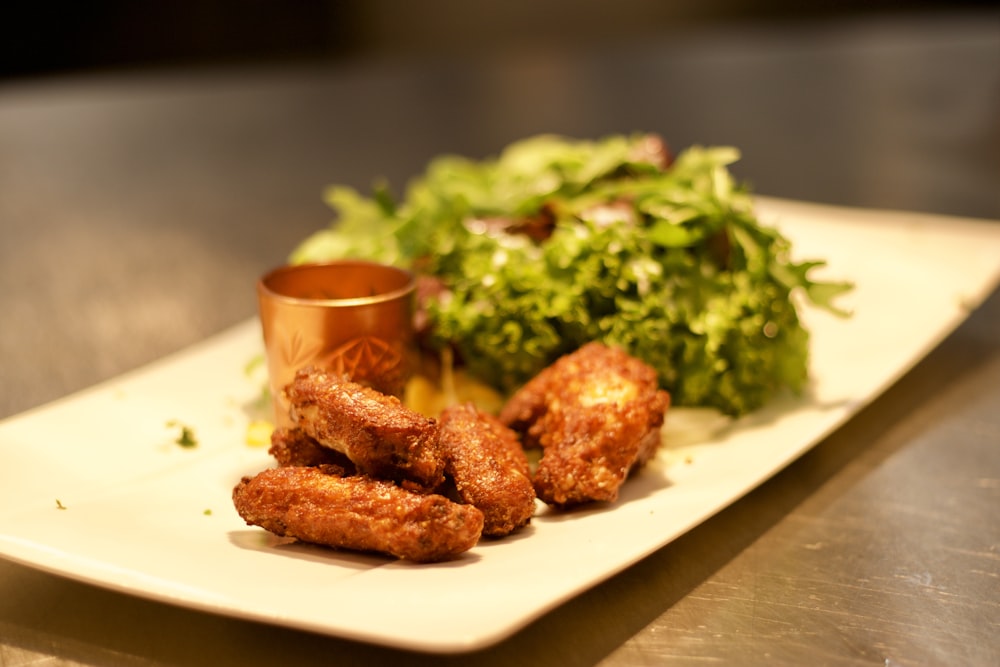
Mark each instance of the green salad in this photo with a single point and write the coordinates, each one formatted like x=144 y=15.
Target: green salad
x=557 y=242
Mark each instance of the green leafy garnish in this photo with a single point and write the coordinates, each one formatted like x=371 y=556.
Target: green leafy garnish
x=558 y=242
x=186 y=438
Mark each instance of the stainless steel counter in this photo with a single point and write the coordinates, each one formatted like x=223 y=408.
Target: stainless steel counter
x=136 y=211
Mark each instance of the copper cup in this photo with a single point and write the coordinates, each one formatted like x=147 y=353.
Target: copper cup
x=350 y=317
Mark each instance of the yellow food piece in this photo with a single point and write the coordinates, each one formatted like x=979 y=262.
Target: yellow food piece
x=430 y=397
x=259 y=433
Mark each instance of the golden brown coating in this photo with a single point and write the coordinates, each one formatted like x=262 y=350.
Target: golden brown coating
x=596 y=413
x=524 y=410
x=484 y=460
x=377 y=432
x=359 y=513
x=292 y=447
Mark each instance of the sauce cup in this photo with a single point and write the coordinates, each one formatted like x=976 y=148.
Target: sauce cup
x=350 y=317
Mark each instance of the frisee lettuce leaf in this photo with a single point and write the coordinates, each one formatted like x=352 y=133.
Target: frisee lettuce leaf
x=557 y=242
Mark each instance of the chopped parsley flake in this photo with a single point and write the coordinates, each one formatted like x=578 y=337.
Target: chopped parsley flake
x=187 y=438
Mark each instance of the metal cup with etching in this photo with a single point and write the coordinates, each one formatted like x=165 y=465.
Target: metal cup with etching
x=351 y=317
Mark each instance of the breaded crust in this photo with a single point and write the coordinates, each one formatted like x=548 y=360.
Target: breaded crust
x=376 y=431
x=485 y=461
x=596 y=413
x=293 y=447
x=359 y=513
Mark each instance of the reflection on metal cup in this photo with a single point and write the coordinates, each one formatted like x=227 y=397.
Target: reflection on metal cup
x=352 y=317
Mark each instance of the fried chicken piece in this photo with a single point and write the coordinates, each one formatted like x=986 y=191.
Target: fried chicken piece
x=376 y=431
x=293 y=447
x=357 y=512
x=596 y=413
x=485 y=461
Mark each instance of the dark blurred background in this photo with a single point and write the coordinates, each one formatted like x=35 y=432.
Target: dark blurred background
x=48 y=38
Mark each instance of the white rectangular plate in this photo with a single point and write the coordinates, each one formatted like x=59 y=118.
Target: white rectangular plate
x=95 y=489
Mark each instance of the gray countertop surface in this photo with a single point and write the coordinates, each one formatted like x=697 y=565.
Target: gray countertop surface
x=137 y=210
